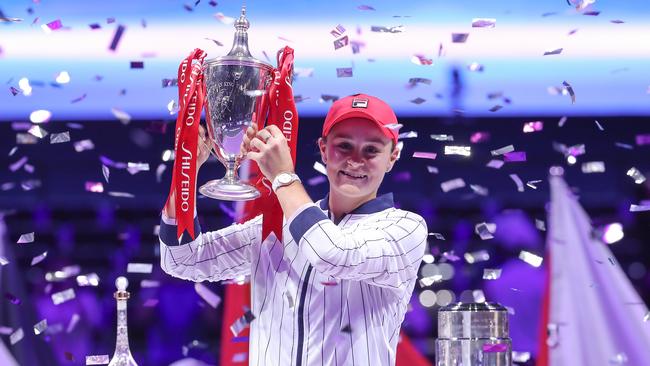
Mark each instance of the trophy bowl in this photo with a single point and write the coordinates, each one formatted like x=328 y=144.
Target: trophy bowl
x=235 y=87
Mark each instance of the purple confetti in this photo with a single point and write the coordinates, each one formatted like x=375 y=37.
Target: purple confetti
x=365 y=7
x=592 y=13
x=14 y=91
x=494 y=348
x=343 y=72
x=79 y=99
x=643 y=139
x=54 y=25
x=137 y=64
x=13 y=299
x=459 y=37
x=116 y=37
x=94 y=26
x=514 y=156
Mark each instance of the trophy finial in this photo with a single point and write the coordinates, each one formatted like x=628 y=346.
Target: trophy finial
x=240 y=43
x=121 y=283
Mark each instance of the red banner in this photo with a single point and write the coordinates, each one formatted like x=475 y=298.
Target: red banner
x=282 y=113
x=190 y=98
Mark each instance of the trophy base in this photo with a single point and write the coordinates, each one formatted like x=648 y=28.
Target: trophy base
x=220 y=189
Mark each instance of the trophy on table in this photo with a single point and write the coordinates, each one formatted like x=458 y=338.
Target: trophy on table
x=236 y=85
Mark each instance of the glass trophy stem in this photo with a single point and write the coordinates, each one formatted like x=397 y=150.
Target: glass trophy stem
x=229 y=188
x=122 y=355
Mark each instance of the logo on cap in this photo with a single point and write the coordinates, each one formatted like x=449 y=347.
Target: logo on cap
x=359 y=103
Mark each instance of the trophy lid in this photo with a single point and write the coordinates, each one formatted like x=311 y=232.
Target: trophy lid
x=472 y=321
x=239 y=53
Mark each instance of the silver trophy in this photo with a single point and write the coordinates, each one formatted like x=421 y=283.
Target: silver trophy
x=122 y=355
x=235 y=86
x=473 y=334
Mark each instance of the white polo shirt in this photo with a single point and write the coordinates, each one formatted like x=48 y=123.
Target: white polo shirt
x=329 y=294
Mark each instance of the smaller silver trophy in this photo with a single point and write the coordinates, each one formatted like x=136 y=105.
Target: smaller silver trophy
x=473 y=334
x=122 y=355
x=235 y=85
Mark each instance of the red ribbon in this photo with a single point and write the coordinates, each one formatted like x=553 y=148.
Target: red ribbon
x=190 y=98
x=282 y=113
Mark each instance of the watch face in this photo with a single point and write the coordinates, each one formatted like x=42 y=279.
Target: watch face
x=284 y=178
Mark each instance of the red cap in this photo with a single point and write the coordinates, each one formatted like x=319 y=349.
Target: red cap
x=363 y=106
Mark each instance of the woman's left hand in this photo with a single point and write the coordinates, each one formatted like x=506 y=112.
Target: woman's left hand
x=270 y=150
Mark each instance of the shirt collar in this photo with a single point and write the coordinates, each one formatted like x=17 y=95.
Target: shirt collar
x=376 y=204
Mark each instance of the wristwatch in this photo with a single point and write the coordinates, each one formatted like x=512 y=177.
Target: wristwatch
x=284 y=179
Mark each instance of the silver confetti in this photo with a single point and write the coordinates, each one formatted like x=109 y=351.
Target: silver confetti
x=437 y=236
x=518 y=182
x=39 y=258
x=206 y=294
x=636 y=175
x=25 y=139
x=458 y=150
x=452 y=184
x=478 y=256
x=74 y=320
x=83 y=145
x=639 y=208
x=480 y=190
x=135 y=168
x=600 y=127
x=91 y=279
x=40 y=327
x=485 y=230
x=26 y=238
x=122 y=116
x=496 y=164
x=533 y=183
x=106 y=172
x=149 y=284
x=6 y=330
x=97 y=360
x=37 y=131
x=319 y=167
x=16 y=336
x=63 y=296
x=242 y=323
x=520 y=357
x=442 y=137
x=343 y=72
x=478 y=296
x=569 y=88
x=121 y=194
x=553 y=52
x=139 y=268
x=57 y=138
x=530 y=258
x=589 y=167
x=503 y=150
x=408 y=135
x=430 y=280
x=382 y=29
x=540 y=225
x=3 y=261
x=491 y=274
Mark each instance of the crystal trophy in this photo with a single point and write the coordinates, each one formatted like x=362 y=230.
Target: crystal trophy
x=122 y=355
x=236 y=85
x=473 y=334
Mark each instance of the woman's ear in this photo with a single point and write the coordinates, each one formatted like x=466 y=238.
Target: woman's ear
x=322 y=147
x=394 y=155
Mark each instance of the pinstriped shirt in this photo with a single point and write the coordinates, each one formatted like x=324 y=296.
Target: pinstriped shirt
x=328 y=294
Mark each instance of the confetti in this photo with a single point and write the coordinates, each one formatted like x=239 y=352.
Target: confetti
x=420 y=59
x=382 y=29
x=478 y=296
x=533 y=126
x=135 y=168
x=475 y=67
x=13 y=299
x=591 y=13
x=149 y=284
x=518 y=182
x=365 y=7
x=16 y=336
x=530 y=258
x=139 y=268
x=337 y=31
x=478 y=256
x=3 y=261
x=26 y=238
x=593 y=167
x=54 y=25
x=95 y=187
x=520 y=357
x=341 y=42
x=418 y=101
x=94 y=26
x=485 y=230
x=600 y=127
x=40 y=327
x=532 y=183
x=481 y=191
x=224 y=19
x=450 y=256
x=242 y=323
x=424 y=155
x=442 y=137
x=343 y=72
x=514 y=156
x=569 y=88
x=319 y=167
x=328 y=98
x=137 y=64
x=459 y=37
x=452 y=184
x=646 y=317
x=495 y=108
x=432 y=169
x=636 y=175
x=643 y=139
x=491 y=274
x=458 y=150
x=240 y=357
x=122 y=116
x=553 y=52
x=484 y=23
x=119 y=31
x=6 y=330
x=97 y=360
x=430 y=280
x=18 y=164
x=503 y=150
x=63 y=296
x=91 y=279
x=57 y=138
x=639 y=208
x=479 y=137
x=83 y=145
